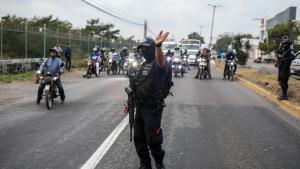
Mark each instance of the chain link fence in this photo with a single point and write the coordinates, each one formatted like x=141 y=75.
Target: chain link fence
x=34 y=42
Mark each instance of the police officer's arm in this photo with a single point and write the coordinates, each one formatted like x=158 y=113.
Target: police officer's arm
x=158 y=52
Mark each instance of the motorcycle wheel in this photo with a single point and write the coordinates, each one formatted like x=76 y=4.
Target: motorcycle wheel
x=182 y=73
x=175 y=73
x=200 y=74
x=231 y=77
x=49 y=99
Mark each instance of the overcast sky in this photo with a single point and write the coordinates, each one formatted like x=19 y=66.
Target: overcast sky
x=179 y=17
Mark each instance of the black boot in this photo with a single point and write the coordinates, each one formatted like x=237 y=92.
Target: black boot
x=159 y=157
x=145 y=161
x=282 y=97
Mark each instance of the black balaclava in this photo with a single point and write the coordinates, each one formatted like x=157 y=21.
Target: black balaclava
x=149 y=53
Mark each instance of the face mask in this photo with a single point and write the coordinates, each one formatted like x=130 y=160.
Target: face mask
x=149 y=53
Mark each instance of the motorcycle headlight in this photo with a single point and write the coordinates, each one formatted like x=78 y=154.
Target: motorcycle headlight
x=38 y=72
x=168 y=58
x=130 y=60
x=180 y=67
x=172 y=66
x=176 y=59
x=134 y=64
x=232 y=63
x=110 y=60
x=125 y=64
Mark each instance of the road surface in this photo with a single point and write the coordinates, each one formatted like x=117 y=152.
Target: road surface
x=208 y=124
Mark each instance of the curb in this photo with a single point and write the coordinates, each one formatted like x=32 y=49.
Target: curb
x=285 y=105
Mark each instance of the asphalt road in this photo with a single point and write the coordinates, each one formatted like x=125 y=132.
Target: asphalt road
x=208 y=124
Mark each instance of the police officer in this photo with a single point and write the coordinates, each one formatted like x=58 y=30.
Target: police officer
x=284 y=62
x=150 y=94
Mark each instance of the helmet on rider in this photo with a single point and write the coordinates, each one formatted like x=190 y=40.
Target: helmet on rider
x=52 y=52
x=113 y=50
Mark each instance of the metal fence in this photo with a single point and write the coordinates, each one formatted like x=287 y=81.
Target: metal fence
x=33 y=42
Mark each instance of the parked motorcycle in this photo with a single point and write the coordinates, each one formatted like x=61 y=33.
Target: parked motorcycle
x=178 y=67
x=202 y=68
x=229 y=72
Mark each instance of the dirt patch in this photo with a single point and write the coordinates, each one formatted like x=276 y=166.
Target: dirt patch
x=268 y=81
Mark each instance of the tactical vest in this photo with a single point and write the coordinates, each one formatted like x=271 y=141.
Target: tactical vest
x=146 y=94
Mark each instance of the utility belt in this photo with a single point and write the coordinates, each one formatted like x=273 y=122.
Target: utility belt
x=150 y=103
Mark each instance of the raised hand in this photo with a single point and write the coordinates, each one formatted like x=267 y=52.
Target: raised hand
x=161 y=37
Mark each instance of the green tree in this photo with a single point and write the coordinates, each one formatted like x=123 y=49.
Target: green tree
x=195 y=35
x=223 y=42
x=238 y=46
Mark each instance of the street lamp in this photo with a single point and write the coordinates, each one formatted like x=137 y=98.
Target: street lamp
x=213 y=19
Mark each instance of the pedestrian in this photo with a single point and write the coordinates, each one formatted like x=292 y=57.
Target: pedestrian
x=68 y=56
x=152 y=85
x=284 y=62
x=59 y=50
x=219 y=55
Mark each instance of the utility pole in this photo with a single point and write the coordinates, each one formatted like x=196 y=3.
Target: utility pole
x=26 y=29
x=1 y=36
x=145 y=28
x=201 y=28
x=56 y=35
x=212 y=23
x=44 y=40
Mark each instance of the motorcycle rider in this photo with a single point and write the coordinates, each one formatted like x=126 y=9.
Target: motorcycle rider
x=123 y=55
x=93 y=57
x=204 y=54
x=137 y=55
x=52 y=64
x=185 y=56
x=229 y=57
x=150 y=86
x=169 y=53
x=284 y=62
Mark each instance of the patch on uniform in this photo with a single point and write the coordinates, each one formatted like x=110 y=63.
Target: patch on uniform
x=145 y=72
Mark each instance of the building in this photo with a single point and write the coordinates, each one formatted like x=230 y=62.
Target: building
x=282 y=17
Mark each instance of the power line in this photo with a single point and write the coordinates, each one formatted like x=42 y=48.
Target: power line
x=113 y=15
x=111 y=8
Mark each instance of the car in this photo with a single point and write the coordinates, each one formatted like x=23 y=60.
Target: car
x=192 y=57
x=295 y=66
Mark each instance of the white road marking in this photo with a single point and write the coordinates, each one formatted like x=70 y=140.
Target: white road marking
x=93 y=161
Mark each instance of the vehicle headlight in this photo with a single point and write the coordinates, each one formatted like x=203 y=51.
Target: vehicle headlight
x=168 y=58
x=176 y=59
x=38 y=72
x=232 y=63
x=131 y=60
x=110 y=60
x=180 y=67
x=134 y=64
x=172 y=66
x=126 y=64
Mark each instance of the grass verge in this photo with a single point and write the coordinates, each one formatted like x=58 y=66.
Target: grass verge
x=269 y=82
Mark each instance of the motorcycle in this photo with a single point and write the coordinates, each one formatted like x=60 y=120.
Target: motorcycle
x=130 y=65
x=93 y=69
x=202 y=68
x=178 y=67
x=50 y=90
x=112 y=66
x=229 y=72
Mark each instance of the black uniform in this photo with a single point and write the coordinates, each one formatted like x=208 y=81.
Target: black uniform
x=152 y=85
x=284 y=63
x=229 y=56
